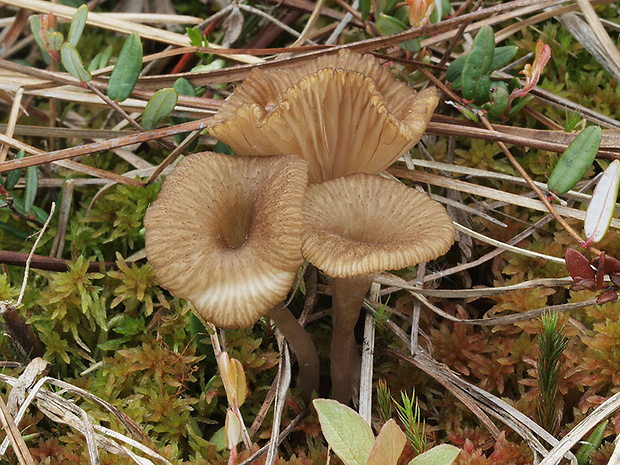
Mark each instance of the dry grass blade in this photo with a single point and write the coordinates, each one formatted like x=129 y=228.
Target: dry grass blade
x=397 y=283
x=13 y=435
x=368 y=351
x=602 y=412
x=488 y=192
x=41 y=157
x=610 y=48
x=117 y=25
x=64 y=411
x=284 y=381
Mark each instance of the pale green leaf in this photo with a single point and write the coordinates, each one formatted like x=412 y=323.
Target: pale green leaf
x=158 y=107
x=72 y=62
x=77 y=25
x=347 y=433
x=32 y=186
x=443 y=454
x=603 y=203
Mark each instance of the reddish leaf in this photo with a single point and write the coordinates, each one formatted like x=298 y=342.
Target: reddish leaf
x=608 y=295
x=578 y=267
x=612 y=265
x=600 y=270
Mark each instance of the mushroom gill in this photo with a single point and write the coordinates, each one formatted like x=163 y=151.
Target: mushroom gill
x=357 y=226
x=343 y=113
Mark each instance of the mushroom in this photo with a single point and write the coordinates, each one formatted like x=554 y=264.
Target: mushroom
x=359 y=225
x=343 y=113
x=225 y=235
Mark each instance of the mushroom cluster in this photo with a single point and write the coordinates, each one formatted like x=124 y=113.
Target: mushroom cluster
x=349 y=119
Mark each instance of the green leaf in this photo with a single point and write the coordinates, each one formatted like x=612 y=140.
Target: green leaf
x=499 y=102
x=72 y=61
x=591 y=444
x=521 y=102
x=389 y=25
x=388 y=446
x=575 y=160
x=478 y=66
x=443 y=454
x=503 y=56
x=9 y=228
x=127 y=69
x=456 y=68
x=35 y=27
x=158 y=107
x=32 y=186
x=603 y=203
x=13 y=176
x=184 y=87
x=195 y=37
x=346 y=432
x=364 y=7
x=101 y=60
x=77 y=25
x=55 y=41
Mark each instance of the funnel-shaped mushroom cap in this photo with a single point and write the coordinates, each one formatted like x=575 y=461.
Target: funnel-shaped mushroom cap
x=225 y=234
x=343 y=113
x=362 y=224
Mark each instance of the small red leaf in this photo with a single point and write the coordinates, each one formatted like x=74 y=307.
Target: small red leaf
x=608 y=295
x=578 y=266
x=600 y=270
x=612 y=265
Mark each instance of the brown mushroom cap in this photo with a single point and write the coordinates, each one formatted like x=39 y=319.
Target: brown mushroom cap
x=343 y=113
x=362 y=224
x=225 y=234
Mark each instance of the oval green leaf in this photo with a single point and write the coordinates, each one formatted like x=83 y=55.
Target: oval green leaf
x=498 y=104
x=32 y=186
x=158 y=107
x=55 y=41
x=603 y=203
x=575 y=160
x=35 y=27
x=503 y=55
x=72 y=61
x=443 y=454
x=591 y=444
x=456 y=68
x=184 y=87
x=77 y=25
x=101 y=60
x=13 y=176
x=346 y=432
x=389 y=25
x=479 y=65
x=364 y=7
x=127 y=69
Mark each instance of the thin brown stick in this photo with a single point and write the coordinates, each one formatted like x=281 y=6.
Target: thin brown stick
x=541 y=195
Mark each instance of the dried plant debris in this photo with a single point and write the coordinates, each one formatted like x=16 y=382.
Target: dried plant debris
x=29 y=389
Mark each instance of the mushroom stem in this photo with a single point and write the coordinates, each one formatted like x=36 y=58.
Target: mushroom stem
x=347 y=299
x=302 y=346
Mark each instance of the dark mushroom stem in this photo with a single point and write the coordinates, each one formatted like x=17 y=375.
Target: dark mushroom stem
x=347 y=299
x=303 y=348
